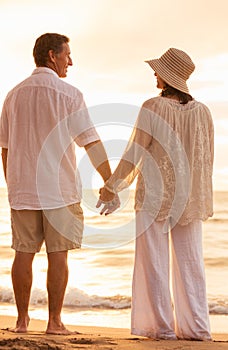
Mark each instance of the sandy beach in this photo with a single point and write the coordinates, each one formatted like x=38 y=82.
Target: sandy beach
x=94 y=338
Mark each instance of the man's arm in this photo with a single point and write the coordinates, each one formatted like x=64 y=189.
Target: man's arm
x=99 y=159
x=4 y=160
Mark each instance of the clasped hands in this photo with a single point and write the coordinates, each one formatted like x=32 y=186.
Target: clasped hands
x=110 y=200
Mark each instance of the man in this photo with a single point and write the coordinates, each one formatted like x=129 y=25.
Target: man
x=41 y=119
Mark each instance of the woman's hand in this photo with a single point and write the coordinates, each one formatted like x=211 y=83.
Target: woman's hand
x=110 y=200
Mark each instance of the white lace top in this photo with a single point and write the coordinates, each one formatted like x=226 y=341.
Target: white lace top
x=171 y=151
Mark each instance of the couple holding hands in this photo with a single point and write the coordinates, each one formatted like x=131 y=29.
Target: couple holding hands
x=170 y=152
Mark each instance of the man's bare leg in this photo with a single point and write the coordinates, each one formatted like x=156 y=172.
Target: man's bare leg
x=22 y=282
x=57 y=278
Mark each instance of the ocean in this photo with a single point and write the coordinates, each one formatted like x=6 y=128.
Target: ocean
x=100 y=273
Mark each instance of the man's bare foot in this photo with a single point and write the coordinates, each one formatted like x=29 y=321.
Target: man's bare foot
x=59 y=329
x=21 y=326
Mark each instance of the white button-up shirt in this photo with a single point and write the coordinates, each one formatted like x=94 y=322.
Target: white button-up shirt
x=41 y=120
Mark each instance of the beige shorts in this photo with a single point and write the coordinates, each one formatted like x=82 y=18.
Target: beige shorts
x=61 y=229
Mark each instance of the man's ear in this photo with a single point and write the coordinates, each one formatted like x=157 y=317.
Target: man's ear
x=51 y=55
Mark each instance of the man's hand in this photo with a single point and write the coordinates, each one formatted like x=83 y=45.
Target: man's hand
x=106 y=195
x=109 y=207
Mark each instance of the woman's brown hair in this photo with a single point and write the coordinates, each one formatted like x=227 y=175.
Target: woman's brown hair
x=171 y=91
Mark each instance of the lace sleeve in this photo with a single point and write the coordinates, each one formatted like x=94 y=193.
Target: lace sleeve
x=130 y=162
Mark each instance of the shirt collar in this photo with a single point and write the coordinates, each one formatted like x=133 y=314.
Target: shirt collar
x=47 y=70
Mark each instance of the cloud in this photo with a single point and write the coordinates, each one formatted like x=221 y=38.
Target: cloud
x=210 y=80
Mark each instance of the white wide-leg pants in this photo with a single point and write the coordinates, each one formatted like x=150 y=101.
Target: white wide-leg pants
x=154 y=313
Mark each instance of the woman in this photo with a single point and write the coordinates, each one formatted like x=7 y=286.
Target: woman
x=171 y=152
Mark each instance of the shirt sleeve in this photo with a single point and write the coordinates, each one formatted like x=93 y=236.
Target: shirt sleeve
x=81 y=127
x=130 y=164
x=4 y=128
x=211 y=137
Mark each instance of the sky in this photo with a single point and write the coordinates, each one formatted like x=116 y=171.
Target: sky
x=111 y=39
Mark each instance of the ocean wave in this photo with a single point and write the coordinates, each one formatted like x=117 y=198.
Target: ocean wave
x=220 y=262
x=76 y=299
x=222 y=219
x=218 y=306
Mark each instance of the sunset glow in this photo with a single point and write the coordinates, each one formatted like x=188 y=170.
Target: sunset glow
x=109 y=42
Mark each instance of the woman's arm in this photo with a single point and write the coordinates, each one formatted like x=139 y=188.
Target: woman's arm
x=127 y=168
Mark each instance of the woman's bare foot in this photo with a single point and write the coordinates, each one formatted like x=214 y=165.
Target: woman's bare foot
x=21 y=325
x=59 y=329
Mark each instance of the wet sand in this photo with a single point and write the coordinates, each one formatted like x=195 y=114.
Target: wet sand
x=94 y=338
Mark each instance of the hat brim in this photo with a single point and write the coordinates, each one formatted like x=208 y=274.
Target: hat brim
x=170 y=78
